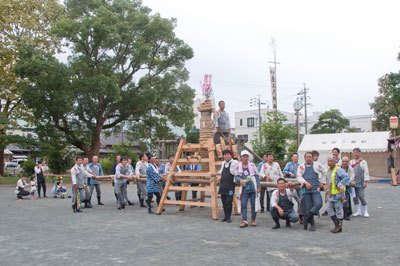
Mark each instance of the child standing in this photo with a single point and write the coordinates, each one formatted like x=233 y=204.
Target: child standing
x=33 y=187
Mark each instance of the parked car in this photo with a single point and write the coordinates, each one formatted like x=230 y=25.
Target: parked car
x=19 y=159
x=13 y=168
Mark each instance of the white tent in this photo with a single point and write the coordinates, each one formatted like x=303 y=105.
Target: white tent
x=372 y=144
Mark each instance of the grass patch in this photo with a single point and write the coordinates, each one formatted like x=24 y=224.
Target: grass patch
x=14 y=179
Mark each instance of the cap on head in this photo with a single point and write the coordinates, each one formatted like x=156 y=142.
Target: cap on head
x=244 y=152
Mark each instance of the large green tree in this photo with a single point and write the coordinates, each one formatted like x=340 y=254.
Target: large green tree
x=331 y=121
x=125 y=64
x=386 y=104
x=21 y=22
x=274 y=136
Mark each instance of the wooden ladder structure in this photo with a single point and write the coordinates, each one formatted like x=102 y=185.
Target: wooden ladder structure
x=205 y=178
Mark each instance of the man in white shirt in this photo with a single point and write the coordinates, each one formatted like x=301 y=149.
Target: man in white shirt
x=270 y=172
x=86 y=182
x=310 y=175
x=78 y=174
x=227 y=184
x=168 y=168
x=361 y=176
x=140 y=171
x=282 y=204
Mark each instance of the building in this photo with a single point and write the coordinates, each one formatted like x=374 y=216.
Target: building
x=374 y=147
x=246 y=122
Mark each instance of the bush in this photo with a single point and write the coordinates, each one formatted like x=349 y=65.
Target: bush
x=106 y=164
x=28 y=167
x=60 y=161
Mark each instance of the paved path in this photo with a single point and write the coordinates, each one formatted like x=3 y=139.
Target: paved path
x=46 y=232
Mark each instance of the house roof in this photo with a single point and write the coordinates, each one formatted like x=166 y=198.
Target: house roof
x=116 y=139
x=346 y=142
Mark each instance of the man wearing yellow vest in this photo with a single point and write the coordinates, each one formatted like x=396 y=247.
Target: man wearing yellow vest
x=336 y=181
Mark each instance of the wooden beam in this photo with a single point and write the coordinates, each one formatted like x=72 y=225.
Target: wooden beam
x=193 y=147
x=394 y=178
x=193 y=174
x=189 y=203
x=214 y=198
x=164 y=196
x=187 y=188
x=192 y=161
x=184 y=196
x=253 y=153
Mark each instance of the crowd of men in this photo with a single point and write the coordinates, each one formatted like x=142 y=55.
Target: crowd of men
x=341 y=180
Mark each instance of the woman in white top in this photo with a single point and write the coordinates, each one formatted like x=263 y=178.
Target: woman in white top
x=20 y=188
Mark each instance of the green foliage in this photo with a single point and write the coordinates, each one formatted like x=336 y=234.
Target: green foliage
x=106 y=164
x=193 y=136
x=331 y=121
x=21 y=22
x=149 y=129
x=274 y=136
x=127 y=65
x=386 y=104
x=29 y=167
x=124 y=150
x=60 y=161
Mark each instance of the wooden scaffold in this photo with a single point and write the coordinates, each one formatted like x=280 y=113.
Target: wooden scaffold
x=204 y=154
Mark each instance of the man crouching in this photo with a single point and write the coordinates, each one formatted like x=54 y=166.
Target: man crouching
x=282 y=204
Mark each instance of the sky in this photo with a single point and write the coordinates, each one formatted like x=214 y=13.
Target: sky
x=338 y=49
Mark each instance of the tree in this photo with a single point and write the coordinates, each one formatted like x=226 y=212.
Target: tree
x=386 y=104
x=21 y=22
x=274 y=135
x=331 y=121
x=126 y=64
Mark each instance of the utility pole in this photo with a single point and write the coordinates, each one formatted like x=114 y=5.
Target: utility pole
x=257 y=102
x=272 y=71
x=303 y=97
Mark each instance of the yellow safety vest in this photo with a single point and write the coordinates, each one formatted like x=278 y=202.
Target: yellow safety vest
x=333 y=189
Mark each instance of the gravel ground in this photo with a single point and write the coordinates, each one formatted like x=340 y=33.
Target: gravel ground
x=46 y=232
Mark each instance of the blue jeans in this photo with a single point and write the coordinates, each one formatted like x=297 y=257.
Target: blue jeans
x=313 y=202
x=291 y=215
x=244 y=200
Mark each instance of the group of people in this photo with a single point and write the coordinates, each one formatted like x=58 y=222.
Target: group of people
x=341 y=180
x=37 y=182
x=85 y=180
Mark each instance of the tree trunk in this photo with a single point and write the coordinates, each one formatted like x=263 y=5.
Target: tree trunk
x=2 y=161
x=95 y=147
